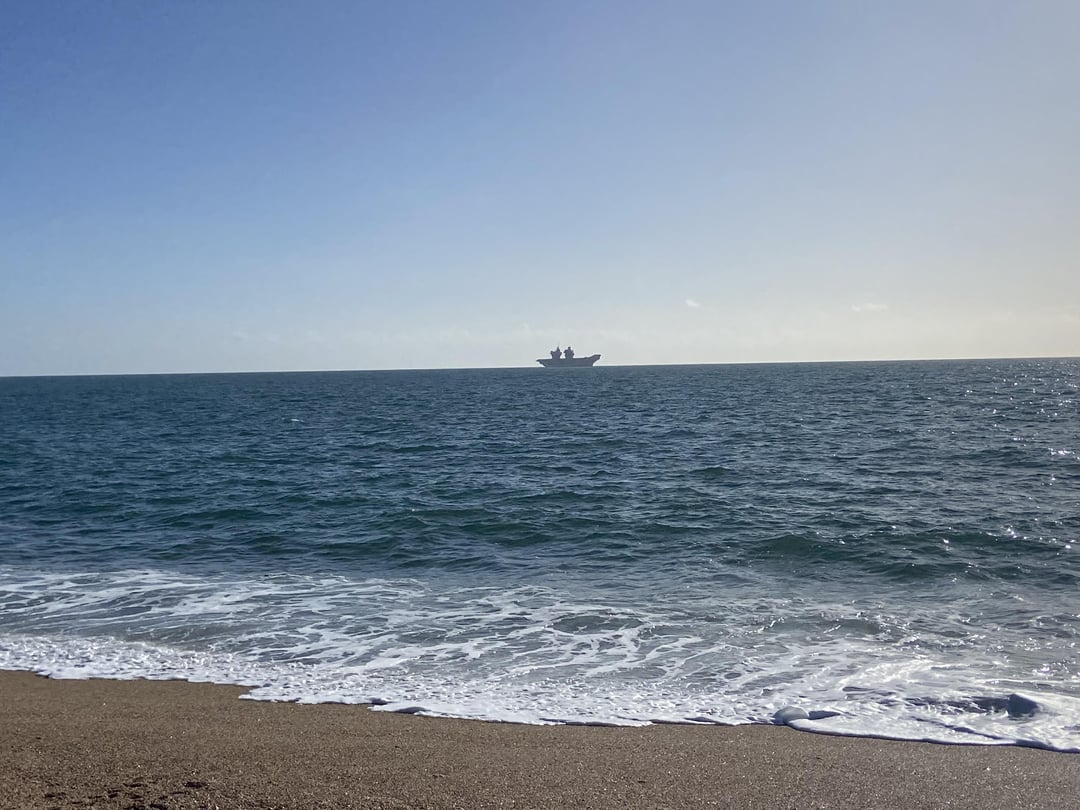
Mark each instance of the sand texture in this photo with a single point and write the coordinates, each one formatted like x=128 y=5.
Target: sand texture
x=169 y=744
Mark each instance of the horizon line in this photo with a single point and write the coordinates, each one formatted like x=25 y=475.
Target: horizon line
x=505 y=368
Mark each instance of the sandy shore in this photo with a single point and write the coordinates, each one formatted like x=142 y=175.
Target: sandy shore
x=154 y=744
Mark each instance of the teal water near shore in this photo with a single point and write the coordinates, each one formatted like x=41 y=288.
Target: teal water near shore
x=888 y=549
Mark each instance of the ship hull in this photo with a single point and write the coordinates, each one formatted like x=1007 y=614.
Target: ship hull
x=573 y=362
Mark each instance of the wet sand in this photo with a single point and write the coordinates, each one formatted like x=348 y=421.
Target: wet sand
x=170 y=744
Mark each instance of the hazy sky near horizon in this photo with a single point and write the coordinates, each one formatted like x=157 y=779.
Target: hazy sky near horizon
x=268 y=186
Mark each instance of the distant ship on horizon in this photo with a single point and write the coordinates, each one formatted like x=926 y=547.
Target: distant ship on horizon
x=564 y=358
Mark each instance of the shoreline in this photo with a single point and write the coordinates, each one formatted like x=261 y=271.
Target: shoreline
x=176 y=744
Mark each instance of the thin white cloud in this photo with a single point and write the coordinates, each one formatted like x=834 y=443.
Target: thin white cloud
x=690 y=302
x=869 y=307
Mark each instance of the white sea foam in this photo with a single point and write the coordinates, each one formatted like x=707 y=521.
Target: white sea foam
x=542 y=655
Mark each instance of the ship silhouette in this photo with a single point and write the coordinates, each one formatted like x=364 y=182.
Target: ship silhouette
x=564 y=358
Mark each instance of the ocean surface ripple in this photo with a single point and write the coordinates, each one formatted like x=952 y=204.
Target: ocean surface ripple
x=877 y=549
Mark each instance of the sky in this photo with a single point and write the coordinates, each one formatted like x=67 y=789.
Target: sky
x=246 y=186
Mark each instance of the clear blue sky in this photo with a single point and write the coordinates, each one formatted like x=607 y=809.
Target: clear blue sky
x=217 y=186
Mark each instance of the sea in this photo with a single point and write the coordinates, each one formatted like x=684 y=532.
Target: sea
x=880 y=549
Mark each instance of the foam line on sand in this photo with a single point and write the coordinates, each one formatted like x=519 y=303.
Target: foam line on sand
x=172 y=744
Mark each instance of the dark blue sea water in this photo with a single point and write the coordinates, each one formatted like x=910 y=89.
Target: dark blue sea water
x=878 y=548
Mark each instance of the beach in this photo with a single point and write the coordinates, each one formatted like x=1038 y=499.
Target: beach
x=173 y=744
